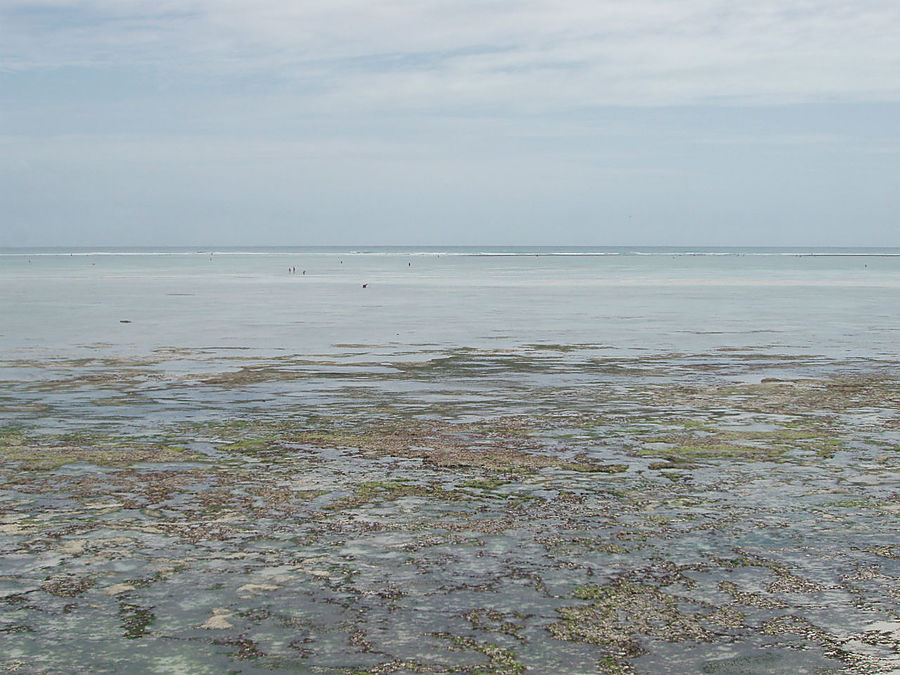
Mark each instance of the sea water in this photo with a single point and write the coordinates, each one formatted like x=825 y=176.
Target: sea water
x=440 y=462
x=834 y=302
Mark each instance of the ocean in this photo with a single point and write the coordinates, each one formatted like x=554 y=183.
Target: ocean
x=834 y=302
x=501 y=461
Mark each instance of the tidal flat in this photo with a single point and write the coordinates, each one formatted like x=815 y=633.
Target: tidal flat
x=550 y=509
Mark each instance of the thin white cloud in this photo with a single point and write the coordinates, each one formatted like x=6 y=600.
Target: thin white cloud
x=536 y=55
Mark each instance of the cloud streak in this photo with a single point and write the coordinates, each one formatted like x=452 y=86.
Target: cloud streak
x=480 y=54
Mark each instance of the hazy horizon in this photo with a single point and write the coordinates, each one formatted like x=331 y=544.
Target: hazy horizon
x=438 y=248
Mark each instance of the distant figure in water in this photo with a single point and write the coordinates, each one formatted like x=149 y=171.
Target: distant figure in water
x=365 y=285
x=304 y=272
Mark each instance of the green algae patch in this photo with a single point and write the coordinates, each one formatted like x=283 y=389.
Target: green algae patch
x=851 y=504
x=501 y=661
x=559 y=546
x=241 y=648
x=594 y=467
x=48 y=453
x=750 y=599
x=620 y=614
x=499 y=445
x=697 y=440
x=10 y=435
x=680 y=453
x=494 y=621
x=609 y=665
x=710 y=442
x=247 y=446
x=392 y=490
x=67 y=585
x=691 y=424
x=135 y=620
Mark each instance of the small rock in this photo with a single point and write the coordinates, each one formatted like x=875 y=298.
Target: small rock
x=12 y=528
x=257 y=588
x=118 y=589
x=219 y=620
x=72 y=547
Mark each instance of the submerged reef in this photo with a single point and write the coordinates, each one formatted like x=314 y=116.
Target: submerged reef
x=547 y=510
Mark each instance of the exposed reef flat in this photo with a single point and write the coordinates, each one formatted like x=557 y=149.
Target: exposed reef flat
x=549 y=510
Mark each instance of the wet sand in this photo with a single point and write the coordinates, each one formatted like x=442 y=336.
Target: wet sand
x=548 y=509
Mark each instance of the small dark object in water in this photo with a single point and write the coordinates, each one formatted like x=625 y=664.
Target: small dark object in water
x=365 y=285
x=124 y=321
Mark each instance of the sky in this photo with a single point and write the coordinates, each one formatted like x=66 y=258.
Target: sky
x=464 y=122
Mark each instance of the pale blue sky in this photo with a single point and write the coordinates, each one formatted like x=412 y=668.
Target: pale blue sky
x=216 y=122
